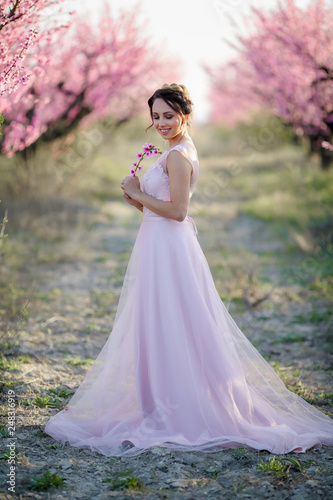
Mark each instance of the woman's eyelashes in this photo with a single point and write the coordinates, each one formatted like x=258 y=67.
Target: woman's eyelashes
x=167 y=117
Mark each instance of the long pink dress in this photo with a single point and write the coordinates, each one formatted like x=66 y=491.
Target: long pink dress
x=176 y=371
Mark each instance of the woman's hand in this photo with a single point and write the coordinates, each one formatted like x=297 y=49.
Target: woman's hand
x=128 y=199
x=131 y=185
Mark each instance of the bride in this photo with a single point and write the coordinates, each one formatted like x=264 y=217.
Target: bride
x=176 y=371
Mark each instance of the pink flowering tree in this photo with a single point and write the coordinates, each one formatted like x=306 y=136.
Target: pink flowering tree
x=21 y=30
x=23 y=24
x=285 y=65
x=94 y=72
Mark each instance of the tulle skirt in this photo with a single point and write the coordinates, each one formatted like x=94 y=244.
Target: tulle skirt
x=176 y=371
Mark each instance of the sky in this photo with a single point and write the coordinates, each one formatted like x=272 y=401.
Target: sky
x=196 y=30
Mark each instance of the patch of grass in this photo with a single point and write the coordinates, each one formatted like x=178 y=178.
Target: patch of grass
x=43 y=296
x=9 y=366
x=240 y=453
x=299 y=319
x=323 y=285
x=315 y=317
x=8 y=454
x=273 y=466
x=318 y=317
x=93 y=326
x=43 y=402
x=303 y=393
x=296 y=463
x=237 y=487
x=213 y=471
x=3 y=431
x=323 y=395
x=105 y=299
x=289 y=338
x=60 y=393
x=129 y=483
x=102 y=296
x=53 y=401
x=41 y=434
x=296 y=194
x=10 y=345
x=10 y=383
x=76 y=361
x=46 y=481
x=102 y=258
x=14 y=301
x=24 y=359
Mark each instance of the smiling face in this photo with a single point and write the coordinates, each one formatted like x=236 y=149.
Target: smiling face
x=167 y=121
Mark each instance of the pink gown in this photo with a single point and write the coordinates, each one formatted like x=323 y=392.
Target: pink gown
x=176 y=371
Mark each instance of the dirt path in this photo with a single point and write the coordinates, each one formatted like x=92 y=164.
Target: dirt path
x=77 y=282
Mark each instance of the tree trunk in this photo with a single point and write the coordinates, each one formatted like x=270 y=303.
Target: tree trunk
x=326 y=158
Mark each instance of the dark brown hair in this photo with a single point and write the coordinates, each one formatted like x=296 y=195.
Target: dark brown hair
x=176 y=96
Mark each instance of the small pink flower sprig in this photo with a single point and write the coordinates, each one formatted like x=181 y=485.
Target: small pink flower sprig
x=148 y=150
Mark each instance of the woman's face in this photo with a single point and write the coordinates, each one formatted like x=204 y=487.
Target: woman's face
x=167 y=122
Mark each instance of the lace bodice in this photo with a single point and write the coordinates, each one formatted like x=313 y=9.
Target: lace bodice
x=155 y=181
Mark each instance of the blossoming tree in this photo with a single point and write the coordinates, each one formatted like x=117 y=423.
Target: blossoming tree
x=96 y=71
x=23 y=24
x=285 y=65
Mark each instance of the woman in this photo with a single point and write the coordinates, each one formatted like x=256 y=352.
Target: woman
x=176 y=370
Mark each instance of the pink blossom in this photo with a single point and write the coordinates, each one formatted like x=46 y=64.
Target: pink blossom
x=148 y=151
x=327 y=145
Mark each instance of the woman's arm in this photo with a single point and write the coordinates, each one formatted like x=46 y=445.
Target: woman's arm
x=179 y=171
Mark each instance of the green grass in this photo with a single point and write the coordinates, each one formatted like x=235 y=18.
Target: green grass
x=61 y=393
x=8 y=454
x=240 y=453
x=315 y=317
x=289 y=338
x=41 y=434
x=8 y=365
x=319 y=317
x=14 y=363
x=129 y=483
x=3 y=431
x=323 y=395
x=273 y=466
x=42 y=402
x=46 y=481
x=76 y=361
x=293 y=192
x=303 y=393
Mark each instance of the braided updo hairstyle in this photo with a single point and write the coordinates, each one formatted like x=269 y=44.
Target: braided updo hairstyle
x=176 y=96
